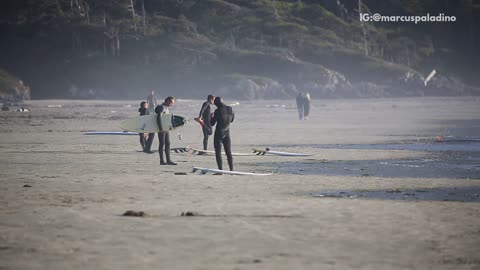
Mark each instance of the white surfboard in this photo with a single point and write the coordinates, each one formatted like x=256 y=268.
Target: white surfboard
x=148 y=123
x=208 y=170
x=260 y=152
x=212 y=153
x=110 y=133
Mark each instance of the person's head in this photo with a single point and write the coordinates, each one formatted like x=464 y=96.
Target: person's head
x=169 y=101
x=218 y=101
x=153 y=92
x=210 y=98
x=144 y=104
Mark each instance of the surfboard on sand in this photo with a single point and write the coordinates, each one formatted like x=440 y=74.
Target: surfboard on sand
x=216 y=171
x=212 y=153
x=260 y=152
x=148 y=123
x=110 y=133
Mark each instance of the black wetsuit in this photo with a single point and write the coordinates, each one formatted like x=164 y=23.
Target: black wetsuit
x=142 y=111
x=146 y=144
x=163 y=136
x=222 y=117
x=206 y=115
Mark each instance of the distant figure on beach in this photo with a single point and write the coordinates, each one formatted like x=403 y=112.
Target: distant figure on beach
x=146 y=140
x=300 y=105
x=164 y=136
x=205 y=117
x=222 y=117
x=306 y=105
x=303 y=105
x=152 y=102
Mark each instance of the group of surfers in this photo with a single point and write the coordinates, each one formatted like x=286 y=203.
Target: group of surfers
x=221 y=118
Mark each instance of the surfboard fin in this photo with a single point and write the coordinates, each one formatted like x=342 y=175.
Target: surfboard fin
x=259 y=152
x=180 y=149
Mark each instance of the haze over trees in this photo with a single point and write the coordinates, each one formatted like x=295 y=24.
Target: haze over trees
x=238 y=48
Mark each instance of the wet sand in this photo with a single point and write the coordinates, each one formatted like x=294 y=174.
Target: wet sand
x=62 y=194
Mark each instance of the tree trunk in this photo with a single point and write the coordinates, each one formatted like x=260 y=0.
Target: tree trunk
x=104 y=18
x=364 y=30
x=87 y=11
x=117 y=42
x=132 y=8
x=144 y=18
x=275 y=9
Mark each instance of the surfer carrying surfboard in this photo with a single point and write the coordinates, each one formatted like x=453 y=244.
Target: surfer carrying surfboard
x=222 y=117
x=204 y=118
x=146 y=141
x=164 y=135
x=143 y=110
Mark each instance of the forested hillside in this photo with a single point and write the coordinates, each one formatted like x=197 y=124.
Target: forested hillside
x=241 y=49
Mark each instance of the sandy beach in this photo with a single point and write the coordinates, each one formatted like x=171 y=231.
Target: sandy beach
x=62 y=193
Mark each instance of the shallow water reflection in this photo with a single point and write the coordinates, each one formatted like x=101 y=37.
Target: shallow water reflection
x=458 y=194
x=452 y=159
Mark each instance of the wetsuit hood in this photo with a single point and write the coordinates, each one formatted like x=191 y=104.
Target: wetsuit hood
x=218 y=102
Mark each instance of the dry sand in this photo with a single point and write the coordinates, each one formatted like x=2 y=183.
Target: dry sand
x=62 y=194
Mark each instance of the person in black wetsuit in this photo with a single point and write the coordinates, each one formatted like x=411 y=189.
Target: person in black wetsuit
x=143 y=110
x=146 y=141
x=222 y=117
x=205 y=115
x=164 y=136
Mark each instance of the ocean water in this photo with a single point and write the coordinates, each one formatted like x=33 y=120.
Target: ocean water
x=459 y=194
x=458 y=159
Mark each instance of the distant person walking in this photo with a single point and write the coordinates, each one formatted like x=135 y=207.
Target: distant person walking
x=205 y=117
x=222 y=117
x=152 y=102
x=300 y=105
x=164 y=135
x=306 y=105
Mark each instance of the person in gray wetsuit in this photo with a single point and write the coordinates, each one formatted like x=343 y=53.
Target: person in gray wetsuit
x=152 y=102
